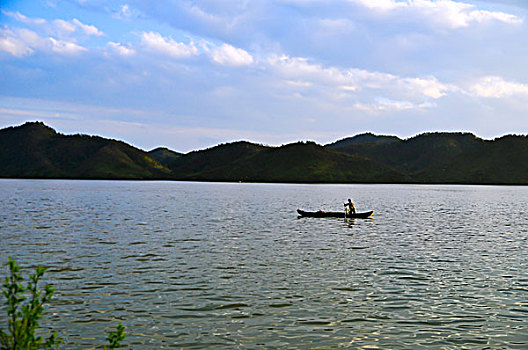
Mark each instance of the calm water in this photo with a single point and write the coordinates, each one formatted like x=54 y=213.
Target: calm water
x=200 y=265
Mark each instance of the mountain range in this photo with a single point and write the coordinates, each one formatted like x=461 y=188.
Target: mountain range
x=34 y=150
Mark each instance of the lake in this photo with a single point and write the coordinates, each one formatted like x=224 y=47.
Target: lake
x=217 y=265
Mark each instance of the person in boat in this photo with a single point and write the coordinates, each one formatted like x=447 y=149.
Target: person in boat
x=349 y=207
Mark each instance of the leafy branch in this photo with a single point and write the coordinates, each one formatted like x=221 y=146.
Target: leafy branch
x=22 y=318
x=114 y=338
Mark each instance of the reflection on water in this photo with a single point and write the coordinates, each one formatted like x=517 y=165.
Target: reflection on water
x=230 y=265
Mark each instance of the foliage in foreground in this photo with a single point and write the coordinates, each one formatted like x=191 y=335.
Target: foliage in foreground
x=23 y=318
x=24 y=313
x=114 y=339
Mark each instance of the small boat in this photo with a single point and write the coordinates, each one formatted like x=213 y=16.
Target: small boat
x=334 y=214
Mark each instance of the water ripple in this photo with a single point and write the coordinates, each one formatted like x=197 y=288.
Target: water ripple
x=250 y=274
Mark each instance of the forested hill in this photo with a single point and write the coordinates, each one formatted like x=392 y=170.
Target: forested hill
x=35 y=150
x=449 y=157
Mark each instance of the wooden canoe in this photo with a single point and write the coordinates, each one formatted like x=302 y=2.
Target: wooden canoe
x=334 y=214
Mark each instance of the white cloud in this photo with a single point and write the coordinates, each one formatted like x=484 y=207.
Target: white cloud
x=457 y=14
x=14 y=44
x=121 y=49
x=444 y=13
x=349 y=88
x=25 y=42
x=64 y=28
x=381 y=5
x=354 y=80
x=167 y=46
x=125 y=12
x=67 y=28
x=58 y=27
x=33 y=114
x=301 y=68
x=429 y=87
x=391 y=106
x=372 y=80
x=496 y=87
x=21 y=18
x=87 y=29
x=299 y=83
x=232 y=56
x=57 y=36
x=65 y=47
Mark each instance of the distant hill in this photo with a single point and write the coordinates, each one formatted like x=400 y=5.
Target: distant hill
x=451 y=158
x=364 y=139
x=193 y=164
x=164 y=155
x=35 y=150
x=299 y=162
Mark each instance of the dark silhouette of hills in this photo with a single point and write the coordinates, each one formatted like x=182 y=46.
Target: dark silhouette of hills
x=193 y=165
x=362 y=139
x=450 y=157
x=297 y=162
x=164 y=155
x=34 y=150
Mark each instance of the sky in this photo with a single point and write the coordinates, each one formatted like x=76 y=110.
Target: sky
x=192 y=74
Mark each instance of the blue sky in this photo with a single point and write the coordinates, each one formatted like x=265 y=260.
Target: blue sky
x=191 y=74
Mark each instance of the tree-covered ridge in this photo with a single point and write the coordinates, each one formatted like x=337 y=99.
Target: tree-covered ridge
x=34 y=150
x=164 y=155
x=452 y=158
x=299 y=162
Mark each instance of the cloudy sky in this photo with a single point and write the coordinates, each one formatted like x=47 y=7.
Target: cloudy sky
x=191 y=74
